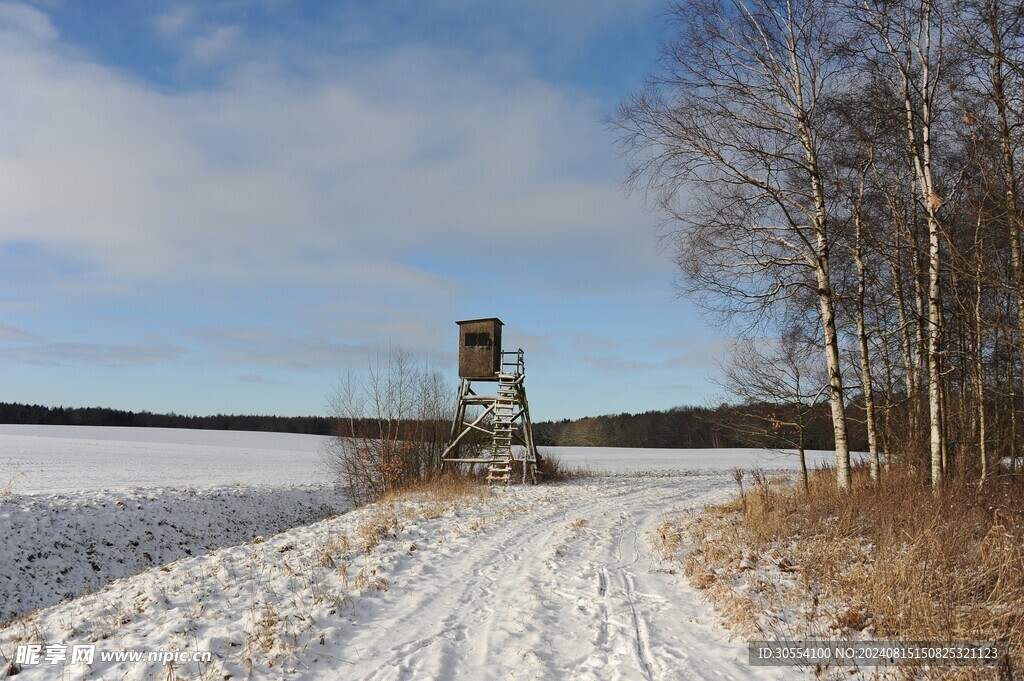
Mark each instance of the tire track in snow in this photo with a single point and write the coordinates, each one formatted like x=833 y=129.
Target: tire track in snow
x=602 y=589
x=640 y=628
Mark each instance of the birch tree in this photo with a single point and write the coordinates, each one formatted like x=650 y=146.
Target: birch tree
x=992 y=35
x=728 y=140
x=856 y=186
x=905 y=47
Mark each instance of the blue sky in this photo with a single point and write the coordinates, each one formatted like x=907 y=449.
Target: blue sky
x=218 y=206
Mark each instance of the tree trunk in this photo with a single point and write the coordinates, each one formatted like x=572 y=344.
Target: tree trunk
x=979 y=367
x=835 y=379
x=921 y=156
x=803 y=460
x=865 y=359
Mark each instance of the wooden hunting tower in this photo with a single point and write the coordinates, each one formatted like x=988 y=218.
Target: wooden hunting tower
x=480 y=349
x=505 y=416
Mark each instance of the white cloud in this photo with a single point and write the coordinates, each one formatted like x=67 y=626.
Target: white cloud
x=11 y=333
x=21 y=25
x=100 y=354
x=363 y=161
x=343 y=181
x=174 y=20
x=214 y=44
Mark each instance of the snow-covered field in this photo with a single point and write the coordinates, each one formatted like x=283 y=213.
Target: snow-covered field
x=545 y=582
x=65 y=458
x=614 y=460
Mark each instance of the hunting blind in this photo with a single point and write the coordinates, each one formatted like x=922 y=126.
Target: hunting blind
x=505 y=416
x=480 y=349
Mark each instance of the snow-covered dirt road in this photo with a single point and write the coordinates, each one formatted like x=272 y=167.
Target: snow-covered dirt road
x=546 y=582
x=566 y=587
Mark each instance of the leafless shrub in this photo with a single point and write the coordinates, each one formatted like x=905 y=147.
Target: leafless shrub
x=391 y=427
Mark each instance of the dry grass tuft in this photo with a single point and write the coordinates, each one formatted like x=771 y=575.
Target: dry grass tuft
x=7 y=490
x=369 y=580
x=667 y=540
x=379 y=527
x=551 y=469
x=893 y=560
x=446 y=488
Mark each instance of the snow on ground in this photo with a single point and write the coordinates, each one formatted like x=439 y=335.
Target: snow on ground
x=618 y=460
x=64 y=458
x=531 y=582
x=89 y=505
x=544 y=582
x=55 y=546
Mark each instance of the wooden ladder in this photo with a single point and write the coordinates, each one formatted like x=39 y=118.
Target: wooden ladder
x=499 y=470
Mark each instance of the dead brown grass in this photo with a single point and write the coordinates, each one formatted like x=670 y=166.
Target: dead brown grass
x=552 y=469
x=376 y=530
x=714 y=562
x=667 y=540
x=430 y=499
x=893 y=560
x=445 y=488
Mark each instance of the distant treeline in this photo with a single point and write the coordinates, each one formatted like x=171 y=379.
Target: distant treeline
x=759 y=425
x=35 y=414
x=102 y=416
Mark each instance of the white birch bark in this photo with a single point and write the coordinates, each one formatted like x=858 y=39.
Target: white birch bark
x=912 y=53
